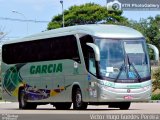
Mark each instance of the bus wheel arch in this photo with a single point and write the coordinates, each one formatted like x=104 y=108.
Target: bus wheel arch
x=77 y=98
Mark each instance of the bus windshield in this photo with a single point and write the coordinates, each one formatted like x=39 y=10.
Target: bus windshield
x=123 y=59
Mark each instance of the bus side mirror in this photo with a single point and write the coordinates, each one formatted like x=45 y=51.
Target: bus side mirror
x=156 y=52
x=96 y=50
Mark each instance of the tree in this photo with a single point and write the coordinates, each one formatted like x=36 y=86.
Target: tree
x=88 y=13
x=153 y=31
x=150 y=28
x=156 y=77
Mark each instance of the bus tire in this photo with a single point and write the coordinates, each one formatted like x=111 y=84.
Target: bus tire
x=62 y=106
x=78 y=104
x=23 y=104
x=124 y=105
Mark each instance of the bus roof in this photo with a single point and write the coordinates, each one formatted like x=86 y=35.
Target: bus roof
x=98 y=30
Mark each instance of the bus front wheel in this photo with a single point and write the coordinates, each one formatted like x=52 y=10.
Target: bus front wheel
x=23 y=104
x=124 y=105
x=78 y=104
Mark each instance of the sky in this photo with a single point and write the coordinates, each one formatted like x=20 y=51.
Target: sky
x=44 y=10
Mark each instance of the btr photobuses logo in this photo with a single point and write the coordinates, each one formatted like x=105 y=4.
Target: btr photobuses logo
x=133 y=5
x=115 y=5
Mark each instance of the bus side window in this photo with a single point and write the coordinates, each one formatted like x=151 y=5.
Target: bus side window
x=57 y=48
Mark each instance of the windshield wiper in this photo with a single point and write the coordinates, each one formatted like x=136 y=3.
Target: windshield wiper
x=121 y=69
x=126 y=67
x=131 y=64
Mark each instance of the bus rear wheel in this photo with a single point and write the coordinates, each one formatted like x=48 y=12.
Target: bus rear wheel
x=124 y=105
x=78 y=104
x=23 y=104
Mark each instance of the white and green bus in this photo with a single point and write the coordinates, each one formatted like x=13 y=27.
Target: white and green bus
x=83 y=64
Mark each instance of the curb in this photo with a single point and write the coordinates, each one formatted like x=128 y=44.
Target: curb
x=4 y=102
x=151 y=101
x=154 y=101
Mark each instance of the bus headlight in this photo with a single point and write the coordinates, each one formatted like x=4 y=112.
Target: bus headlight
x=147 y=87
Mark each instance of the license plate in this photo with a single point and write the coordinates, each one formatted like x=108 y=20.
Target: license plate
x=128 y=97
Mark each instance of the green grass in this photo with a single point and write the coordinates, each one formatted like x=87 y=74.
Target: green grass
x=156 y=97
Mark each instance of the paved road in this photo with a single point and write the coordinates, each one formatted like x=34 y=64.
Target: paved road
x=49 y=110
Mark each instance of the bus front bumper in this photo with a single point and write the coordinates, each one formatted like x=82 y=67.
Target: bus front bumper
x=109 y=94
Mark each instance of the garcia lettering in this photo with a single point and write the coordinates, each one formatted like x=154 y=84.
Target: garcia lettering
x=43 y=69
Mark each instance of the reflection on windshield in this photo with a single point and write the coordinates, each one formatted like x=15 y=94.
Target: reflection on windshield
x=123 y=59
